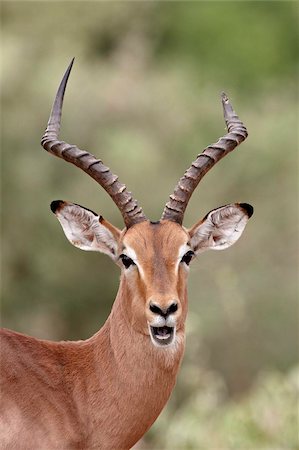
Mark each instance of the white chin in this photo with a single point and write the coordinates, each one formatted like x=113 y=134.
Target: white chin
x=162 y=336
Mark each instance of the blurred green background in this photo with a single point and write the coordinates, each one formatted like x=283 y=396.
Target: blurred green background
x=144 y=96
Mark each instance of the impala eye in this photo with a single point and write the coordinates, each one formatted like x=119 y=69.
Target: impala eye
x=127 y=262
x=187 y=257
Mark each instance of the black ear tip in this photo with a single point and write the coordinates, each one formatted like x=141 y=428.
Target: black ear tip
x=56 y=205
x=248 y=208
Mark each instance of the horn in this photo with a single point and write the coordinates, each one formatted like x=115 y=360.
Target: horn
x=95 y=168
x=175 y=208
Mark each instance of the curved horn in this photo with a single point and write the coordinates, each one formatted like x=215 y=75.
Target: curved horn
x=123 y=199
x=175 y=208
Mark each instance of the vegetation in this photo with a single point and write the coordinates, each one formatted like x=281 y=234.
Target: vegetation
x=144 y=96
x=265 y=419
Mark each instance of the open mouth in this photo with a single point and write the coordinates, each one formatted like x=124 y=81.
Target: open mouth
x=162 y=336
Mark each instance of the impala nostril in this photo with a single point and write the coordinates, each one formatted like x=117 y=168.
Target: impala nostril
x=155 y=309
x=172 y=308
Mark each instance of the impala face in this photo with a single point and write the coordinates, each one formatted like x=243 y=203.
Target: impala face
x=155 y=259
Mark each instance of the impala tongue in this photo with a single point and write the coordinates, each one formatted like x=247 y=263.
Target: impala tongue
x=163 y=331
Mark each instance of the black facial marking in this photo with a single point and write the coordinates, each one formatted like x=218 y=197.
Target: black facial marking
x=163 y=312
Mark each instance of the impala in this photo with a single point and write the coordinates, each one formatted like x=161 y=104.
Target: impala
x=105 y=392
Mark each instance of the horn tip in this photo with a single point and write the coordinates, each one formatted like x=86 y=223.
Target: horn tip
x=224 y=97
x=70 y=65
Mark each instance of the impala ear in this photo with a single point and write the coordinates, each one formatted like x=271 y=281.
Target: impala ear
x=85 y=229
x=221 y=227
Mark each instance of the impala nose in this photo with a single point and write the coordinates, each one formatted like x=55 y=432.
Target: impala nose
x=164 y=312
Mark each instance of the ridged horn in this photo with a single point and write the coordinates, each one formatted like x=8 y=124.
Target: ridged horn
x=175 y=208
x=123 y=199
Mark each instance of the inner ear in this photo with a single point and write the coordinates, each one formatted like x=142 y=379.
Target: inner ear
x=220 y=228
x=85 y=229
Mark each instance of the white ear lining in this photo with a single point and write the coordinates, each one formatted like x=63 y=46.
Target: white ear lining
x=84 y=229
x=221 y=228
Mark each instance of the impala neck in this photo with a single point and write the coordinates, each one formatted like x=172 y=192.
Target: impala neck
x=132 y=349
x=136 y=376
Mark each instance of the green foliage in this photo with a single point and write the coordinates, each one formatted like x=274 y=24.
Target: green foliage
x=266 y=419
x=144 y=96
x=249 y=44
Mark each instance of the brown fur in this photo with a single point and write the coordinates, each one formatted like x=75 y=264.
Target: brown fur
x=105 y=392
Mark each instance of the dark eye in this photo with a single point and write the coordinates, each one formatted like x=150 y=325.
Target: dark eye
x=127 y=262
x=187 y=257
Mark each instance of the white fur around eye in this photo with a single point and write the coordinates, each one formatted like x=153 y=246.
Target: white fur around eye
x=130 y=252
x=182 y=251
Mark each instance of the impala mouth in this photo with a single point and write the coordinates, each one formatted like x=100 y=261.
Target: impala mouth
x=162 y=336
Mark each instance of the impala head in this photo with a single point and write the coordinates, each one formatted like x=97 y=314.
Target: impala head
x=154 y=257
